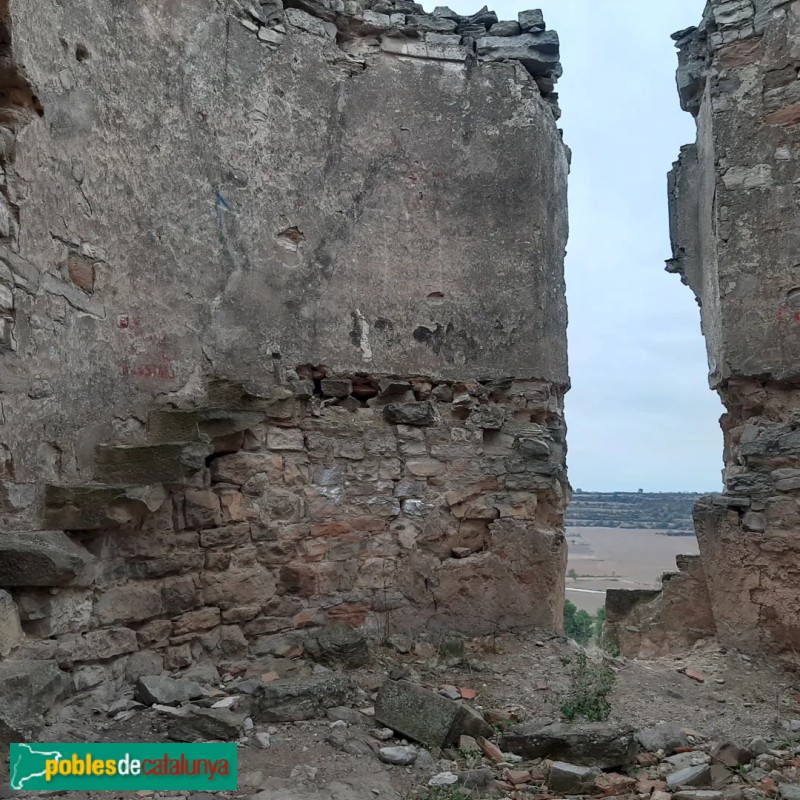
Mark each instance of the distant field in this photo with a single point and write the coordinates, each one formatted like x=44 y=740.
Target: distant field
x=619 y=558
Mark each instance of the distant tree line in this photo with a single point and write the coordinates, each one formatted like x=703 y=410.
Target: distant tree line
x=665 y=511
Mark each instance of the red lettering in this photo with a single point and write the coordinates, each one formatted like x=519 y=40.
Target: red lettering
x=147 y=771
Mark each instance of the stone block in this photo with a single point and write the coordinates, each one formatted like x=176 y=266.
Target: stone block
x=690 y=776
x=126 y=465
x=666 y=736
x=44 y=613
x=270 y=36
x=224 y=642
x=134 y=602
x=28 y=689
x=731 y=755
x=11 y=633
x=236 y=587
x=277 y=505
x=531 y=20
x=238 y=468
x=195 y=724
x=341 y=387
x=425 y=467
x=586 y=744
x=571 y=779
x=398 y=755
x=296 y=699
x=200 y=620
x=154 y=633
x=42 y=558
x=468 y=29
x=538 y=52
x=422 y=22
x=432 y=50
x=338 y=645
x=505 y=29
x=425 y=716
x=756 y=177
x=96 y=506
x=173 y=425
x=81 y=272
x=422 y=413
x=145 y=662
x=313 y=25
x=228 y=536
x=285 y=439
x=89 y=676
x=488 y=417
x=179 y=595
x=178 y=657
x=241 y=614
x=202 y=509
x=734 y=12
x=98 y=645
x=166 y=691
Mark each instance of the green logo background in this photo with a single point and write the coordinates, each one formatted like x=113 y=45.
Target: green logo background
x=28 y=766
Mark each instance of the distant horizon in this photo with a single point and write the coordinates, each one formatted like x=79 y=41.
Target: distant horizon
x=643 y=491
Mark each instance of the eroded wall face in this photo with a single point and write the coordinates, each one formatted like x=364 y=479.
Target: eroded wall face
x=645 y=623
x=735 y=216
x=283 y=326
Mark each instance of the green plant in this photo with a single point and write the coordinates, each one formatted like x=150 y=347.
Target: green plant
x=599 y=621
x=472 y=758
x=610 y=647
x=605 y=639
x=578 y=625
x=591 y=683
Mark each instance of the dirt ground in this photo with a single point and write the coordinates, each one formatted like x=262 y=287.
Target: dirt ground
x=619 y=558
x=737 y=700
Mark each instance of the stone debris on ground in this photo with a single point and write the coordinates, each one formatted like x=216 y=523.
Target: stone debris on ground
x=420 y=744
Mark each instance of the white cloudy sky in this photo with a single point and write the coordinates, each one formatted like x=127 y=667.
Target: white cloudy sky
x=640 y=413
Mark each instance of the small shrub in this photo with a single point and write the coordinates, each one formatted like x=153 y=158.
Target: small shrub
x=591 y=683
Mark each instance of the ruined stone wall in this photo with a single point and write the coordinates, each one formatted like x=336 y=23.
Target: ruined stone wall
x=735 y=201
x=648 y=623
x=283 y=325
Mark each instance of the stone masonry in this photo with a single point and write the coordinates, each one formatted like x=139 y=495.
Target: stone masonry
x=645 y=623
x=282 y=331
x=734 y=200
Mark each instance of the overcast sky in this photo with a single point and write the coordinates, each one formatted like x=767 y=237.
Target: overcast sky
x=640 y=413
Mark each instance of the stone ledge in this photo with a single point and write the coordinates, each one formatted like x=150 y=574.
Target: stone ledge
x=42 y=558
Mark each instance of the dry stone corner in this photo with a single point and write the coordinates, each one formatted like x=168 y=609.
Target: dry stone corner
x=222 y=491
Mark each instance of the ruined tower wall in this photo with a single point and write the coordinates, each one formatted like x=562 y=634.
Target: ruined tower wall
x=734 y=213
x=283 y=325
